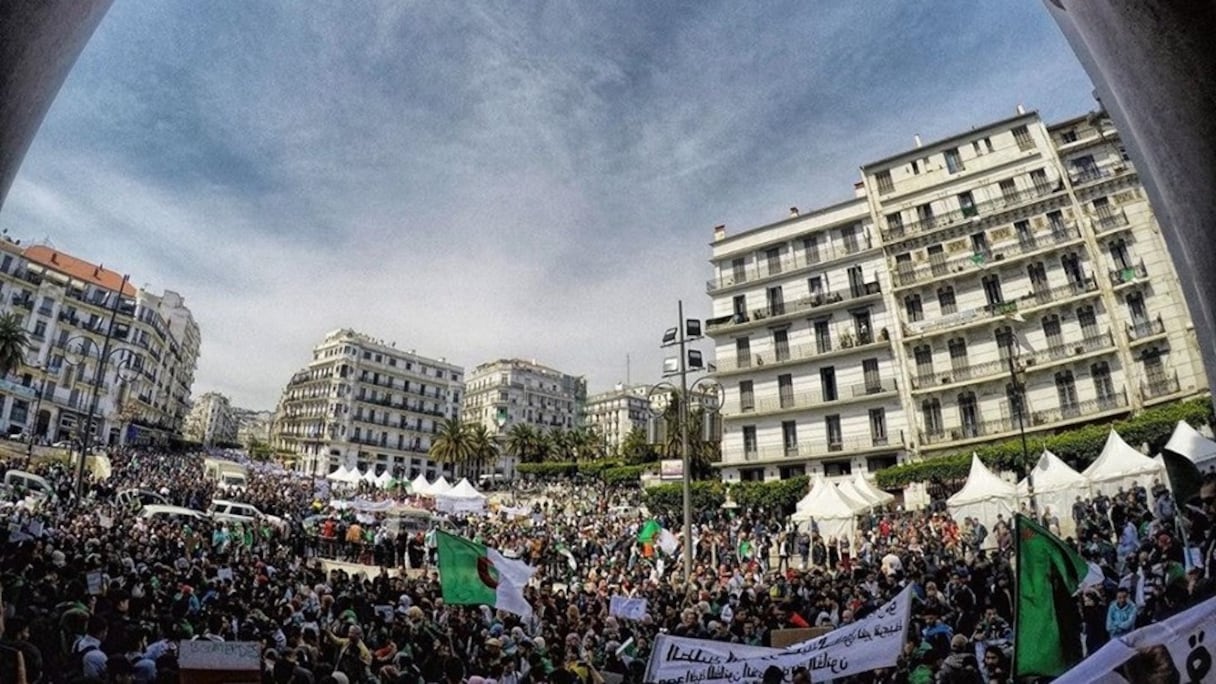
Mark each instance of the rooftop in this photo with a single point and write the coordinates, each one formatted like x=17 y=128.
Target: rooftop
x=79 y=269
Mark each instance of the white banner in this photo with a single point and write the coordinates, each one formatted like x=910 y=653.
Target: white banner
x=1187 y=638
x=628 y=608
x=868 y=644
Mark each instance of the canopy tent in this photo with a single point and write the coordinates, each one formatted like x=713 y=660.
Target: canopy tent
x=1056 y=488
x=462 y=498
x=805 y=501
x=863 y=486
x=440 y=486
x=1120 y=466
x=384 y=480
x=984 y=497
x=850 y=491
x=369 y=476
x=1186 y=441
x=343 y=475
x=420 y=487
x=833 y=511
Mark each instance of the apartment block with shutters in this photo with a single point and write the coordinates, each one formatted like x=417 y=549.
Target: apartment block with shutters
x=1018 y=266
x=362 y=402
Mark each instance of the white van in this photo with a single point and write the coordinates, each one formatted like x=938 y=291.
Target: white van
x=31 y=483
x=135 y=499
x=223 y=510
x=176 y=514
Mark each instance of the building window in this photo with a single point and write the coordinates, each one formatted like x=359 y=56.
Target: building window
x=871 y=376
x=1025 y=236
x=895 y=223
x=915 y=168
x=1022 y=135
x=772 y=259
x=958 y=354
x=931 y=416
x=785 y=390
x=1066 y=390
x=924 y=362
x=1104 y=388
x=743 y=352
x=954 y=162
x=968 y=414
x=878 y=426
x=992 y=290
x=1088 y=322
x=1120 y=256
x=749 y=441
x=831 y=425
x=945 y=300
x=747 y=397
x=823 y=336
x=1009 y=190
x=827 y=382
x=789 y=437
x=781 y=345
x=775 y=300
x=1053 y=333
x=885 y=185
x=966 y=204
x=1004 y=341
x=1069 y=136
x=924 y=214
x=913 y=306
x=810 y=249
x=1038 y=178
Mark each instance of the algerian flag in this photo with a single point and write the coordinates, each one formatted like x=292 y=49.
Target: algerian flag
x=1048 y=627
x=649 y=531
x=473 y=574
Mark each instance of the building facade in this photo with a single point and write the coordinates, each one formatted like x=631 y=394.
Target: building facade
x=364 y=403
x=211 y=421
x=616 y=413
x=68 y=305
x=253 y=427
x=1020 y=283
x=507 y=392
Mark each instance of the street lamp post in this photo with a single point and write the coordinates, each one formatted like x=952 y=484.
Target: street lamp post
x=1019 y=396
x=29 y=448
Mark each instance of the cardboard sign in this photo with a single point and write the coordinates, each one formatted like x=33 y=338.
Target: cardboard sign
x=224 y=574
x=94 y=582
x=236 y=656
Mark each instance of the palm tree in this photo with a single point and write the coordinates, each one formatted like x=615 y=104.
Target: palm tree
x=452 y=444
x=14 y=341
x=522 y=443
x=484 y=448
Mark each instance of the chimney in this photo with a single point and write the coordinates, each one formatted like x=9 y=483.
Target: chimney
x=719 y=232
x=793 y=212
x=1021 y=110
x=54 y=257
x=916 y=139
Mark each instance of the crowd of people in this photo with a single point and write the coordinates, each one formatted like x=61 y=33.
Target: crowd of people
x=93 y=591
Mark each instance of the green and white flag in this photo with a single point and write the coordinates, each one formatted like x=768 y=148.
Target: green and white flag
x=474 y=574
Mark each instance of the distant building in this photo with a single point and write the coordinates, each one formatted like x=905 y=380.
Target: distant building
x=362 y=402
x=906 y=320
x=505 y=392
x=614 y=414
x=252 y=427
x=67 y=304
x=211 y=421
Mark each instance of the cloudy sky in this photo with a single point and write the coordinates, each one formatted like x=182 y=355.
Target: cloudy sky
x=479 y=180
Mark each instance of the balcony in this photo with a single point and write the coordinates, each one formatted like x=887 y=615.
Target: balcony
x=1105 y=223
x=848 y=342
x=1159 y=387
x=927 y=379
x=969 y=431
x=832 y=449
x=1094 y=343
x=994 y=255
x=1143 y=330
x=1035 y=420
x=1123 y=276
x=809 y=400
x=984 y=209
x=796 y=260
x=26 y=303
x=1080 y=409
x=1094 y=174
x=818 y=300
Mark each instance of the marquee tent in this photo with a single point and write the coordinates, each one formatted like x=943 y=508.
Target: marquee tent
x=1056 y=487
x=1186 y=441
x=343 y=475
x=384 y=480
x=862 y=485
x=834 y=512
x=805 y=501
x=440 y=486
x=462 y=498
x=370 y=475
x=984 y=497
x=420 y=487
x=1119 y=465
x=850 y=491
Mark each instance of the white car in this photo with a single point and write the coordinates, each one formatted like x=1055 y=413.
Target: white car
x=223 y=510
x=176 y=514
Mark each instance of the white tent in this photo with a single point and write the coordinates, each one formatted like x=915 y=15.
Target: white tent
x=342 y=474
x=833 y=511
x=1056 y=487
x=984 y=497
x=1187 y=441
x=863 y=486
x=804 y=502
x=420 y=487
x=440 y=486
x=462 y=498
x=1119 y=465
x=384 y=480
x=850 y=491
x=370 y=475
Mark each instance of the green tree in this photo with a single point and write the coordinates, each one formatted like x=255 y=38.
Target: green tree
x=635 y=450
x=14 y=341
x=452 y=444
x=560 y=446
x=523 y=443
x=483 y=446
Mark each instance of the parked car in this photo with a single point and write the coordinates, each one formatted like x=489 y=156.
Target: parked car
x=177 y=514
x=224 y=510
x=140 y=498
x=31 y=483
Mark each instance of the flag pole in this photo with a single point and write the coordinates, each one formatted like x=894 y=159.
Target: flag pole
x=1017 y=588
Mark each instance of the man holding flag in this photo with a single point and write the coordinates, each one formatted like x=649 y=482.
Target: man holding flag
x=474 y=574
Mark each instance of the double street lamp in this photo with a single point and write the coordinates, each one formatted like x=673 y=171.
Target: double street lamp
x=29 y=448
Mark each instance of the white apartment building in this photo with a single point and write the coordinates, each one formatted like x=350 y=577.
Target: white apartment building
x=212 y=420
x=252 y=426
x=362 y=402
x=1014 y=255
x=804 y=349
x=506 y=392
x=614 y=414
x=68 y=304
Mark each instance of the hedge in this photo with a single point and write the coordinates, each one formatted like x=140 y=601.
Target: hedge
x=568 y=468
x=780 y=494
x=668 y=499
x=1078 y=447
x=623 y=475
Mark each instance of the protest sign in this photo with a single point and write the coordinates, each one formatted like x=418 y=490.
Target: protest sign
x=873 y=642
x=93 y=580
x=628 y=608
x=224 y=574
x=782 y=638
x=1181 y=637
x=203 y=654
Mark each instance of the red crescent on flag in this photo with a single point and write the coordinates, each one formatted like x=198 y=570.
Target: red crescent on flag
x=485 y=571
